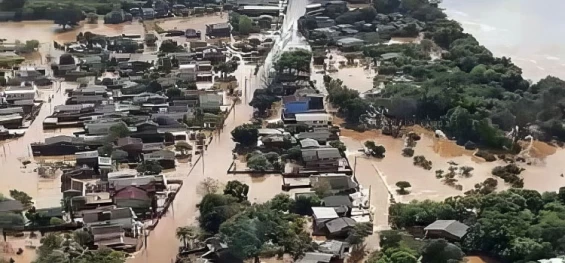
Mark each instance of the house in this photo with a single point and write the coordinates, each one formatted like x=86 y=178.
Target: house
x=210 y=100
x=107 y=235
x=15 y=93
x=334 y=228
x=321 y=215
x=314 y=119
x=315 y=257
x=89 y=158
x=339 y=183
x=321 y=159
x=124 y=217
x=187 y=72
x=192 y=33
x=295 y=104
x=452 y=230
x=62 y=145
x=321 y=135
x=164 y=157
x=11 y=121
x=309 y=143
x=147 y=13
x=337 y=249
x=150 y=183
x=218 y=30
x=11 y=214
x=349 y=43
x=13 y=206
x=140 y=200
x=255 y=10
x=341 y=203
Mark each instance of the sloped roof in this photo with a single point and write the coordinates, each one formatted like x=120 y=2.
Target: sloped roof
x=324 y=213
x=131 y=192
x=306 y=143
x=452 y=227
x=338 y=224
x=11 y=205
x=118 y=213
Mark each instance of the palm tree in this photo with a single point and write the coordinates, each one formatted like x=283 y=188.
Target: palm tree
x=189 y=233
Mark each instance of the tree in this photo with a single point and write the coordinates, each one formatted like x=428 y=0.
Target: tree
x=173 y=93
x=245 y=134
x=68 y=15
x=245 y=25
x=281 y=202
x=119 y=155
x=403 y=257
x=359 y=232
x=226 y=68
x=170 y=46
x=402 y=185
x=215 y=209
x=187 y=233
x=154 y=86
x=303 y=204
x=209 y=186
x=441 y=251
x=150 y=168
x=322 y=188
x=117 y=131
x=297 y=61
x=92 y=18
x=237 y=189
x=263 y=102
x=339 y=145
x=259 y=162
x=375 y=150
x=24 y=198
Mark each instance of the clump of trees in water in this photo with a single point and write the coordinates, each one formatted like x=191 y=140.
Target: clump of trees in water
x=533 y=222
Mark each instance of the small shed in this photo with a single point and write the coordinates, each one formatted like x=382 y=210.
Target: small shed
x=449 y=229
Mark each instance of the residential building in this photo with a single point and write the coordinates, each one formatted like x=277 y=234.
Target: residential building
x=218 y=30
x=349 y=43
x=124 y=217
x=295 y=104
x=314 y=257
x=340 y=203
x=15 y=93
x=256 y=10
x=164 y=157
x=321 y=159
x=148 y=13
x=210 y=100
x=140 y=200
x=148 y=182
x=452 y=230
x=314 y=119
x=339 y=183
x=321 y=135
x=187 y=72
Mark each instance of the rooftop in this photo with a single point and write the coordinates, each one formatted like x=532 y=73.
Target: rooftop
x=324 y=213
x=452 y=227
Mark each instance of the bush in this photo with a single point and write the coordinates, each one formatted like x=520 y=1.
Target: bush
x=408 y=152
x=509 y=174
x=421 y=161
x=489 y=157
x=402 y=185
x=56 y=221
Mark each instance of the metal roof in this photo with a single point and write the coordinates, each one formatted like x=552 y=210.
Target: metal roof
x=324 y=213
x=452 y=227
x=307 y=143
x=338 y=224
x=312 y=117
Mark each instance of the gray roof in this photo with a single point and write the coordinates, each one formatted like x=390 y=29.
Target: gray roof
x=332 y=246
x=320 y=153
x=307 y=143
x=119 y=183
x=62 y=138
x=350 y=40
x=388 y=56
x=338 y=224
x=452 y=227
x=314 y=257
x=128 y=141
x=159 y=155
x=11 y=206
x=337 y=200
x=12 y=110
x=320 y=135
x=86 y=155
x=118 y=213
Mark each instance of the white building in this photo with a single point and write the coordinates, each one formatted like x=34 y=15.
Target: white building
x=314 y=119
x=14 y=93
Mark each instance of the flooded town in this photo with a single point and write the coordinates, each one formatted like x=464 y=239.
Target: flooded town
x=271 y=131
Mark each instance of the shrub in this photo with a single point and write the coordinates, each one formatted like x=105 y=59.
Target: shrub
x=421 y=161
